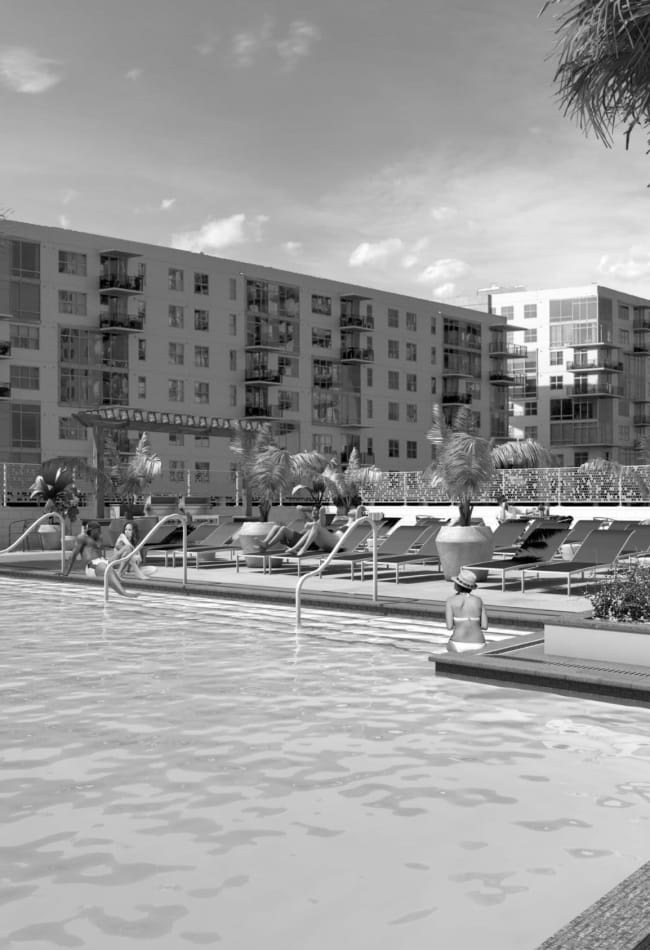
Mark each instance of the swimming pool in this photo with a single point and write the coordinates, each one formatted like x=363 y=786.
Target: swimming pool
x=181 y=772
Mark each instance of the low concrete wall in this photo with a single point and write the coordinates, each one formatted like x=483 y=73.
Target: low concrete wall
x=618 y=643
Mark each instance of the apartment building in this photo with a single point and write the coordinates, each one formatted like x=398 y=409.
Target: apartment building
x=583 y=388
x=189 y=347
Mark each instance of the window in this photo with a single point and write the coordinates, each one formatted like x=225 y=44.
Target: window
x=70 y=262
x=369 y=408
x=232 y=288
x=25 y=337
x=233 y=360
x=232 y=395
x=176 y=470
x=393 y=379
x=26 y=426
x=202 y=393
x=624 y=432
x=393 y=448
x=530 y=311
x=393 y=318
x=433 y=325
x=369 y=446
x=24 y=377
x=69 y=428
x=411 y=383
x=623 y=311
x=530 y=335
x=201 y=283
x=202 y=356
x=71 y=301
x=411 y=352
x=201 y=320
x=393 y=349
x=288 y=400
x=232 y=324
x=142 y=349
x=411 y=449
x=24 y=300
x=530 y=432
x=411 y=322
x=557 y=382
x=557 y=357
x=202 y=472
x=411 y=412
x=530 y=408
x=508 y=312
x=321 y=305
x=177 y=353
x=321 y=338
x=434 y=385
x=323 y=442
x=176 y=390
x=393 y=411
x=176 y=438
x=142 y=387
x=624 y=337
x=579 y=458
x=25 y=260
x=433 y=355
x=175 y=279
x=176 y=316
x=369 y=376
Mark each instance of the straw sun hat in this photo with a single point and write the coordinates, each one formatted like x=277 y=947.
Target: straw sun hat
x=465 y=579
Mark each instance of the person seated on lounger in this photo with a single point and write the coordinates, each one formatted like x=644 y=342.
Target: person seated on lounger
x=465 y=615
x=321 y=537
x=88 y=546
x=291 y=533
x=125 y=544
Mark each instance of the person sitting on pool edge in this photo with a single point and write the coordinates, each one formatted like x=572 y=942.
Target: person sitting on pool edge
x=89 y=548
x=321 y=537
x=125 y=544
x=465 y=615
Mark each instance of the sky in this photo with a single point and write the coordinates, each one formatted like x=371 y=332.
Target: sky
x=415 y=146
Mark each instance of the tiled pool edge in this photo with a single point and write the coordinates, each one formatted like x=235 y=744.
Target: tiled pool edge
x=620 y=920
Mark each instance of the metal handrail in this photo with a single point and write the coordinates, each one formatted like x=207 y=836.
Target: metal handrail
x=321 y=567
x=36 y=524
x=112 y=565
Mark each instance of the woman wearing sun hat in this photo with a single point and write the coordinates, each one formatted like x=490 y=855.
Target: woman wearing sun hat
x=465 y=615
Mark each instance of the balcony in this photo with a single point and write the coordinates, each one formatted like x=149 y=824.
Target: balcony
x=5 y=391
x=600 y=388
x=501 y=378
x=121 y=322
x=271 y=343
x=5 y=349
x=120 y=285
x=356 y=322
x=355 y=354
x=641 y=343
x=595 y=366
x=581 y=433
x=454 y=368
x=510 y=351
x=323 y=382
x=263 y=377
x=261 y=412
x=641 y=419
x=456 y=399
x=590 y=337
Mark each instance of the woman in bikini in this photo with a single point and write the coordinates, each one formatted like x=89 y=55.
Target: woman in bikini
x=465 y=615
x=125 y=544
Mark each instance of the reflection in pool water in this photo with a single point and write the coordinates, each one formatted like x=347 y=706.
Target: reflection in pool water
x=184 y=772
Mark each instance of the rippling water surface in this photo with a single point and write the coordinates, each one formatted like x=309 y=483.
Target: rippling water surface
x=179 y=773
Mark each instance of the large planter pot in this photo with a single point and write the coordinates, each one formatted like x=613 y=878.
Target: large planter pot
x=247 y=536
x=50 y=536
x=162 y=505
x=463 y=544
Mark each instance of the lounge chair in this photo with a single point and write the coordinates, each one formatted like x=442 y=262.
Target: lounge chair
x=358 y=536
x=639 y=543
x=395 y=545
x=540 y=546
x=598 y=551
x=222 y=537
x=508 y=533
x=580 y=530
x=421 y=551
x=199 y=536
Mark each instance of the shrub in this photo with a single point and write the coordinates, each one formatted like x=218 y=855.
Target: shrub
x=623 y=596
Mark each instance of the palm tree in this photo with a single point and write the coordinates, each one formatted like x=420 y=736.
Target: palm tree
x=310 y=468
x=140 y=470
x=346 y=485
x=55 y=487
x=603 y=72
x=247 y=445
x=465 y=462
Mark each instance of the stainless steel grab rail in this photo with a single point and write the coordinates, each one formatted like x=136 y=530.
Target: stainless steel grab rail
x=36 y=524
x=321 y=567
x=112 y=565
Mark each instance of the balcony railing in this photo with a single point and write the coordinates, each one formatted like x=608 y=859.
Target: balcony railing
x=581 y=433
x=501 y=378
x=124 y=283
x=455 y=368
x=356 y=354
x=456 y=399
x=121 y=321
x=508 y=350
x=641 y=419
x=262 y=376
x=5 y=391
x=596 y=389
x=355 y=322
x=593 y=366
x=261 y=412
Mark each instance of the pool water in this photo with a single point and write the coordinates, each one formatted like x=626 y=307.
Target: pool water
x=186 y=772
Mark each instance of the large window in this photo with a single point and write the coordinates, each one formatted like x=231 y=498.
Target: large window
x=26 y=427
x=176 y=390
x=411 y=449
x=321 y=304
x=24 y=377
x=321 y=337
x=201 y=284
x=576 y=308
x=411 y=412
x=25 y=337
x=393 y=349
x=71 y=262
x=557 y=358
x=393 y=448
x=393 y=318
x=26 y=260
x=530 y=335
x=72 y=301
x=411 y=383
x=411 y=352
x=177 y=353
x=201 y=320
x=175 y=279
x=202 y=356
x=530 y=311
x=25 y=300
x=411 y=321
x=393 y=411
x=202 y=393
x=393 y=379
x=556 y=382
x=176 y=316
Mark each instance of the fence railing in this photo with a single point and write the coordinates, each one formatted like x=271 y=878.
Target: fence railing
x=553 y=486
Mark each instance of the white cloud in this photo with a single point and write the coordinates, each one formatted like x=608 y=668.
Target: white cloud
x=634 y=264
x=207 y=45
x=219 y=233
x=23 y=70
x=247 y=45
x=64 y=221
x=134 y=74
x=367 y=253
x=298 y=43
x=444 y=269
x=68 y=195
x=444 y=291
x=292 y=247
x=167 y=203
x=443 y=213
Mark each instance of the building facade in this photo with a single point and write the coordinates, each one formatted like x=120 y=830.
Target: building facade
x=583 y=388
x=91 y=322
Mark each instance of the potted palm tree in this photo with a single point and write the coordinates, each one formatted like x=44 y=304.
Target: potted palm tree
x=463 y=466
x=346 y=485
x=55 y=487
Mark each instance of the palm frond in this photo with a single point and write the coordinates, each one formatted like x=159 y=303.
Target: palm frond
x=524 y=453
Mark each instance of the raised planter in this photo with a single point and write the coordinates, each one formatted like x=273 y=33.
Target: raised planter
x=458 y=545
x=605 y=640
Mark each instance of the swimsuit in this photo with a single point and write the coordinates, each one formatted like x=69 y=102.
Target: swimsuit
x=90 y=566
x=477 y=619
x=458 y=646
